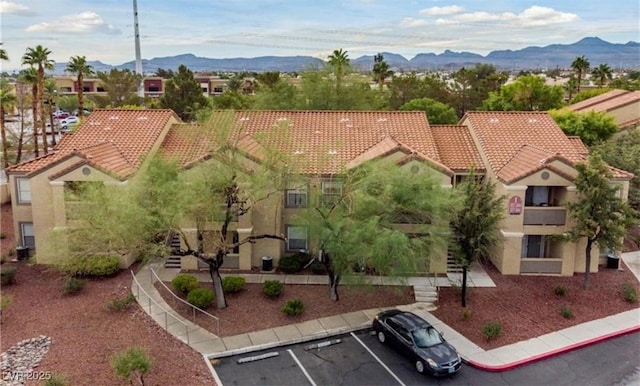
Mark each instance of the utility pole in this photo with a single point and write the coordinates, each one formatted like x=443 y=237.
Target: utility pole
x=138 y=55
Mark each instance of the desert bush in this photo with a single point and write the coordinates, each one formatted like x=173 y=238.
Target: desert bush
x=200 y=297
x=73 y=285
x=566 y=312
x=133 y=362
x=233 y=284
x=3 y=259
x=560 y=291
x=91 y=266
x=185 y=283
x=290 y=264
x=3 y=235
x=272 y=288
x=121 y=304
x=491 y=330
x=318 y=268
x=7 y=275
x=56 y=380
x=5 y=300
x=629 y=293
x=466 y=315
x=293 y=307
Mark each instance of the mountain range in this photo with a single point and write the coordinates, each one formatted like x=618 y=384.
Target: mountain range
x=594 y=49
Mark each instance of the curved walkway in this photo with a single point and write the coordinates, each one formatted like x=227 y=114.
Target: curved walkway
x=499 y=359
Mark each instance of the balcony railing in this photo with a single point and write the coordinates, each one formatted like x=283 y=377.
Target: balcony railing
x=541 y=265
x=545 y=216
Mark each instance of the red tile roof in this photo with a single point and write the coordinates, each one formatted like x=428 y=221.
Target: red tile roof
x=502 y=136
x=607 y=101
x=112 y=140
x=456 y=147
x=324 y=141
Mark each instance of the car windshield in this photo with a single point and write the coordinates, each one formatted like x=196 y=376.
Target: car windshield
x=426 y=337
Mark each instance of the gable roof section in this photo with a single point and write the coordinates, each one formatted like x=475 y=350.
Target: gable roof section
x=503 y=134
x=112 y=140
x=607 y=101
x=528 y=160
x=456 y=147
x=324 y=142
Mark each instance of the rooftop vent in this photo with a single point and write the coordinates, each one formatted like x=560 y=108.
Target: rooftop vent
x=532 y=120
x=282 y=119
x=297 y=152
x=494 y=120
x=244 y=119
x=332 y=152
x=382 y=120
x=317 y=132
x=344 y=120
x=114 y=117
x=143 y=118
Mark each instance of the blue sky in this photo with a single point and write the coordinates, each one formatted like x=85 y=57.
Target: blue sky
x=103 y=29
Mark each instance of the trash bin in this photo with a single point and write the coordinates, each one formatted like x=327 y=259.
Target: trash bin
x=267 y=263
x=613 y=261
x=22 y=253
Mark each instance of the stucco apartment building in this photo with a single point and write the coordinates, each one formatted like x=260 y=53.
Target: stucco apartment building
x=622 y=105
x=525 y=153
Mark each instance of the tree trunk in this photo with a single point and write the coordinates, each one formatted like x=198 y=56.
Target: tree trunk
x=464 y=286
x=80 y=95
x=587 y=268
x=20 y=138
x=334 y=281
x=53 y=127
x=214 y=273
x=5 y=147
x=34 y=118
x=42 y=120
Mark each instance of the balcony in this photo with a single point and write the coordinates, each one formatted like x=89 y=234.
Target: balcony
x=540 y=215
x=541 y=266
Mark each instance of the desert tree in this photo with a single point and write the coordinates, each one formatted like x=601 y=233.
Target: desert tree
x=38 y=57
x=476 y=224
x=602 y=74
x=376 y=217
x=592 y=126
x=29 y=77
x=121 y=87
x=7 y=102
x=438 y=113
x=526 y=93
x=600 y=216
x=380 y=70
x=78 y=66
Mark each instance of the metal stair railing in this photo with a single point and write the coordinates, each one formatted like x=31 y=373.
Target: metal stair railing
x=166 y=312
x=154 y=277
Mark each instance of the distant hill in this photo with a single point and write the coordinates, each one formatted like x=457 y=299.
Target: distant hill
x=596 y=50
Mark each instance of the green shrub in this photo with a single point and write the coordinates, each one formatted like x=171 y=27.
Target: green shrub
x=185 y=283
x=200 y=297
x=56 y=380
x=629 y=293
x=3 y=235
x=318 y=268
x=233 y=284
x=121 y=304
x=73 y=285
x=293 y=307
x=290 y=264
x=7 y=275
x=272 y=288
x=133 y=362
x=566 y=312
x=466 y=315
x=560 y=291
x=91 y=266
x=491 y=330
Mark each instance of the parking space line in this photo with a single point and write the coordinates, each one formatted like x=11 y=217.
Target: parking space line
x=304 y=371
x=378 y=359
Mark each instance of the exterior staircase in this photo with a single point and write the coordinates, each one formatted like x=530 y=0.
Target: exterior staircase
x=452 y=266
x=426 y=296
x=174 y=261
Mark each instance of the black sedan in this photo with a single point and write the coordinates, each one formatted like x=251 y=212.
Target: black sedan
x=416 y=339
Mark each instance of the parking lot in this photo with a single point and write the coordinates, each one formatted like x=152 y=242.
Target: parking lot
x=358 y=359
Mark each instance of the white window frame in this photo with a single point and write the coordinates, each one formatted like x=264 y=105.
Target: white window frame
x=297 y=198
x=26 y=231
x=331 y=187
x=23 y=190
x=291 y=229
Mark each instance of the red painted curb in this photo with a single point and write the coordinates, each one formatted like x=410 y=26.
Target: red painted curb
x=549 y=354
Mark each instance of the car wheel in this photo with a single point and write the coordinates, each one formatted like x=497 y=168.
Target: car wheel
x=381 y=337
x=420 y=366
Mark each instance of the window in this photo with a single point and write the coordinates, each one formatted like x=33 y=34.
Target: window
x=218 y=90
x=331 y=191
x=296 y=238
x=537 y=196
x=296 y=198
x=26 y=235
x=533 y=246
x=24 y=190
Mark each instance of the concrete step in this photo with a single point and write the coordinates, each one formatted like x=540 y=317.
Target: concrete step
x=173 y=262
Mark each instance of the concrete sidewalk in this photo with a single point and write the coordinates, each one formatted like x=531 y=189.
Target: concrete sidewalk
x=499 y=359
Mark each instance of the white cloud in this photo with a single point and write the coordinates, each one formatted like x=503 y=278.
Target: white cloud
x=84 y=22
x=535 y=16
x=411 y=22
x=9 y=8
x=439 y=11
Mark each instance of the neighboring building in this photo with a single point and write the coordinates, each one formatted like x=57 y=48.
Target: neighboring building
x=622 y=105
x=525 y=153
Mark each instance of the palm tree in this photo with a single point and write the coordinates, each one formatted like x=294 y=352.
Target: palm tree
x=3 y=54
x=7 y=99
x=30 y=76
x=580 y=65
x=570 y=87
x=381 y=70
x=39 y=57
x=50 y=91
x=602 y=74
x=78 y=65
x=339 y=60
